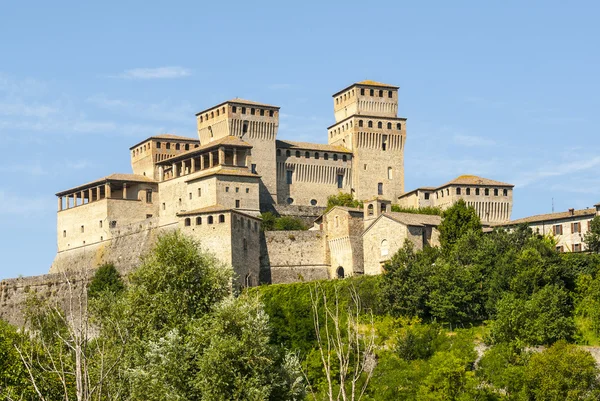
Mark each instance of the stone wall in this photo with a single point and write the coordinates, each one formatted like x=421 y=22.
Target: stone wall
x=307 y=214
x=291 y=256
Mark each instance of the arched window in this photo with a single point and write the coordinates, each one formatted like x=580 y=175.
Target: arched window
x=233 y=109
x=398 y=126
x=326 y=156
x=360 y=123
x=362 y=91
x=262 y=112
x=372 y=92
x=243 y=110
x=158 y=144
x=221 y=218
x=198 y=220
x=168 y=145
x=340 y=272
x=390 y=173
x=389 y=125
x=370 y=124
x=187 y=146
x=307 y=155
x=188 y=222
x=297 y=153
x=210 y=220
x=177 y=146
x=385 y=247
x=212 y=114
x=278 y=152
x=335 y=157
x=380 y=93
x=287 y=153
x=370 y=210
x=389 y=94
x=316 y=155
x=344 y=157
x=217 y=112
x=458 y=191
x=245 y=242
x=379 y=125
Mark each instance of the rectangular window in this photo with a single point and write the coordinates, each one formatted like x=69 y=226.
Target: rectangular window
x=253 y=167
x=576 y=247
x=384 y=139
x=233 y=109
x=64 y=233
x=270 y=113
x=457 y=191
x=148 y=196
x=148 y=216
x=199 y=192
x=226 y=189
x=380 y=188
x=288 y=176
x=468 y=191
x=158 y=144
x=505 y=192
x=164 y=206
x=237 y=203
x=557 y=229
x=477 y=191
x=575 y=227
x=560 y=249
x=100 y=223
x=340 y=181
x=237 y=189
x=247 y=190
x=487 y=192
x=82 y=229
x=495 y=191
x=190 y=195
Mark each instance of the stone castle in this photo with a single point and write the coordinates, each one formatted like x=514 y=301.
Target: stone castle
x=214 y=188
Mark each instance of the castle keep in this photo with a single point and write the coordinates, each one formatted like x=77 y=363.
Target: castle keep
x=214 y=188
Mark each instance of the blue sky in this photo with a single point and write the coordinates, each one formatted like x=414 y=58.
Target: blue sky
x=506 y=90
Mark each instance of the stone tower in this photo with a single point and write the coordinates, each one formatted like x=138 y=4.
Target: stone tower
x=256 y=124
x=367 y=124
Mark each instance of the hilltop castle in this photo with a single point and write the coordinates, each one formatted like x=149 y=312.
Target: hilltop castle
x=215 y=187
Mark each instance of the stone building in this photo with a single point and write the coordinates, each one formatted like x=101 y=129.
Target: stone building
x=215 y=187
x=491 y=199
x=568 y=228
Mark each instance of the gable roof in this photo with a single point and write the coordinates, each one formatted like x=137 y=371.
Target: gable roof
x=229 y=140
x=475 y=180
x=284 y=144
x=238 y=100
x=408 y=219
x=113 y=177
x=590 y=212
x=166 y=136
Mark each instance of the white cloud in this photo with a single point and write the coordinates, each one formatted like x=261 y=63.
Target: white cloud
x=24 y=110
x=164 y=111
x=473 y=141
x=155 y=73
x=14 y=204
x=558 y=170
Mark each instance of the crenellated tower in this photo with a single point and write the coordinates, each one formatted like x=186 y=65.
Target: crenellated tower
x=253 y=122
x=367 y=124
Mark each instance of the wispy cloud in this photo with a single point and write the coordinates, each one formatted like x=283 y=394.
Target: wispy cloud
x=164 y=111
x=155 y=73
x=22 y=109
x=473 y=141
x=14 y=204
x=558 y=170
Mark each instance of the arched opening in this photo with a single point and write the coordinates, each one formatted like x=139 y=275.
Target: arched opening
x=210 y=220
x=326 y=156
x=307 y=155
x=370 y=124
x=297 y=153
x=340 y=272
x=198 y=220
x=380 y=188
x=399 y=126
x=288 y=153
x=389 y=125
x=385 y=248
x=370 y=209
x=360 y=123
x=221 y=218
x=379 y=124
x=278 y=152
x=188 y=222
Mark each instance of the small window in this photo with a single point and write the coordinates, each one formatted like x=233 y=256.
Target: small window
x=370 y=209
x=340 y=272
x=307 y=155
x=226 y=189
x=278 y=152
x=253 y=168
x=557 y=229
x=288 y=153
x=290 y=201
x=199 y=192
x=243 y=110
x=495 y=191
x=399 y=126
x=313 y=202
x=335 y=157
x=344 y=158
x=168 y=146
x=372 y=92
x=148 y=196
x=221 y=218
x=190 y=196
x=326 y=156
x=576 y=247
x=188 y=222
x=271 y=113
x=177 y=146
x=245 y=127
x=380 y=188
x=262 y=112
x=316 y=155
x=389 y=125
x=210 y=220
x=247 y=190
x=233 y=109
x=468 y=191
x=113 y=224
x=187 y=146
x=362 y=91
x=198 y=221
x=297 y=153
x=427 y=196
x=164 y=206
x=158 y=144
x=477 y=191
x=288 y=176
x=505 y=192
x=575 y=227
x=245 y=244
x=457 y=191
x=384 y=139
x=252 y=110
x=487 y=192
x=82 y=229
x=390 y=94
x=385 y=248
x=390 y=173
x=360 y=123
x=340 y=181
x=64 y=233
x=370 y=124
x=379 y=124
x=100 y=223
x=237 y=203
x=380 y=93
x=237 y=190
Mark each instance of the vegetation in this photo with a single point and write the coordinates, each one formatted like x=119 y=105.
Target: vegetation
x=483 y=317
x=430 y=210
x=270 y=222
x=592 y=237
x=342 y=199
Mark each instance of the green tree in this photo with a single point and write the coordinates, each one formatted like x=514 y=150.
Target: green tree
x=592 y=237
x=457 y=221
x=106 y=279
x=288 y=223
x=342 y=199
x=430 y=210
x=268 y=221
x=562 y=372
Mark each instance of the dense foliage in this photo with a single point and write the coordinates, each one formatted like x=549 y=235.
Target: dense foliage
x=342 y=199
x=106 y=279
x=592 y=237
x=431 y=210
x=270 y=222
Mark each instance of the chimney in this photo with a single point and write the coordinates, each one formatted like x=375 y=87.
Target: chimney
x=571 y=212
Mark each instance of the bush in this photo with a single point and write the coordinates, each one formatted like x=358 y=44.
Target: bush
x=106 y=280
x=342 y=199
x=430 y=210
x=270 y=222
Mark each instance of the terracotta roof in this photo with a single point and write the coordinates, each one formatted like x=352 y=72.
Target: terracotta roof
x=166 y=136
x=415 y=219
x=367 y=82
x=475 y=180
x=417 y=189
x=108 y=178
x=238 y=100
x=215 y=209
x=551 y=217
x=310 y=146
x=229 y=140
x=221 y=171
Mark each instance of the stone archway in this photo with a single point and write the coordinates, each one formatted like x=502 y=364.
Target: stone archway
x=340 y=272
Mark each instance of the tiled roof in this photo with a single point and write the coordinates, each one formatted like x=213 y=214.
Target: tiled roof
x=475 y=180
x=415 y=219
x=108 y=178
x=374 y=83
x=552 y=217
x=310 y=146
x=166 y=136
x=229 y=140
x=238 y=100
x=221 y=170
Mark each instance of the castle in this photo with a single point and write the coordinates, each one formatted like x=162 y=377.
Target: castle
x=214 y=188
